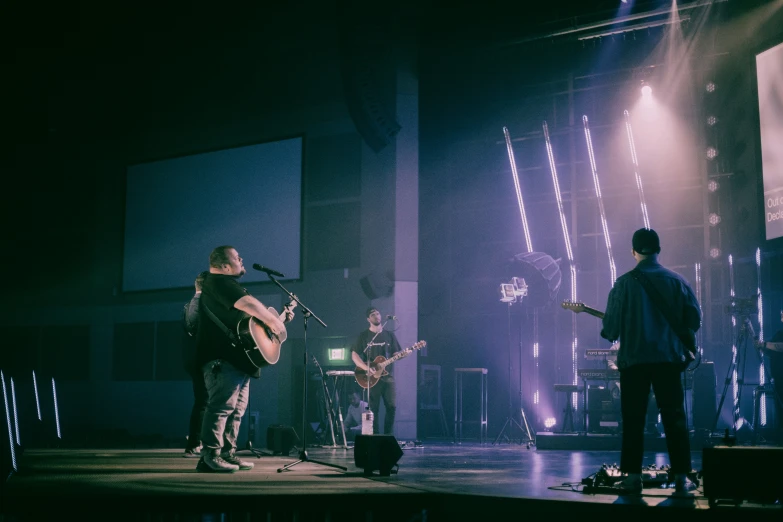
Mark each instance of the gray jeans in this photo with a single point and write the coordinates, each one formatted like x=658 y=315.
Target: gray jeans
x=228 y=390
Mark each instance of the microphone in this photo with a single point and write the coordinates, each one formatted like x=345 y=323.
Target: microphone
x=262 y=268
x=392 y=317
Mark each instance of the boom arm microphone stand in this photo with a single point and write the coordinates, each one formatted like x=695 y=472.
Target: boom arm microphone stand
x=306 y=314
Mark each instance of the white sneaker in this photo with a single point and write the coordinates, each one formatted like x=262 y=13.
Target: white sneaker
x=215 y=464
x=683 y=486
x=231 y=458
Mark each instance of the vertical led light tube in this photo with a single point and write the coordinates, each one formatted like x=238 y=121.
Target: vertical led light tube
x=8 y=424
x=700 y=333
x=734 y=353
x=37 y=402
x=569 y=252
x=635 y=161
x=762 y=378
x=594 y=169
x=529 y=245
x=16 y=413
x=56 y=410
x=520 y=201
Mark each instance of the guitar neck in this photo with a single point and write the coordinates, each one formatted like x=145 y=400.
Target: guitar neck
x=396 y=357
x=594 y=312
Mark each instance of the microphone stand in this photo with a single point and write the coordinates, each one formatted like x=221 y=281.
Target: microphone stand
x=306 y=314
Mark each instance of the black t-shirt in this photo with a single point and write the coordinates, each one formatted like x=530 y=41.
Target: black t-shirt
x=385 y=344
x=219 y=293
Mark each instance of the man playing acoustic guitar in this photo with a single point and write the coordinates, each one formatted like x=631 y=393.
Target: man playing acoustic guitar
x=226 y=367
x=377 y=341
x=653 y=351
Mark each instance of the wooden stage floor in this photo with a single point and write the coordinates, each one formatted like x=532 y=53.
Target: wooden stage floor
x=438 y=481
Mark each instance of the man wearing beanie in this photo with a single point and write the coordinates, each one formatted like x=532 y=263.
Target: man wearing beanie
x=371 y=343
x=651 y=354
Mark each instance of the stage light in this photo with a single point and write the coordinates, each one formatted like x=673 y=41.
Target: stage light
x=714 y=219
x=599 y=197
x=647 y=91
x=549 y=422
x=714 y=252
x=711 y=120
x=8 y=424
x=710 y=87
x=514 y=291
x=713 y=185
x=712 y=153
x=56 y=410
x=762 y=372
x=37 y=402
x=635 y=161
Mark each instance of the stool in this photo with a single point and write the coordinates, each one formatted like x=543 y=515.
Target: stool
x=458 y=422
x=568 y=416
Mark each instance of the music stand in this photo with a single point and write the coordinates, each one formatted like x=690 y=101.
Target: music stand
x=303 y=457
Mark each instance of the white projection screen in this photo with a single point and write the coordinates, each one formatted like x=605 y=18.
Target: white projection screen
x=177 y=210
x=769 y=70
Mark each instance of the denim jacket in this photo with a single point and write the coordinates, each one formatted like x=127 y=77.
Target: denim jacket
x=632 y=318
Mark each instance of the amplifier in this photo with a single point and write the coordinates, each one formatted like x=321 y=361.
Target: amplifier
x=736 y=473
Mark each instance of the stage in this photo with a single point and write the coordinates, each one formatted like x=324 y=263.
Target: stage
x=437 y=481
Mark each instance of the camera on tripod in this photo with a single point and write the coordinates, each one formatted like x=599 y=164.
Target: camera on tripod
x=743 y=306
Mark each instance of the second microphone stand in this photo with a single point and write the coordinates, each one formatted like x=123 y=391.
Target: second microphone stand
x=303 y=457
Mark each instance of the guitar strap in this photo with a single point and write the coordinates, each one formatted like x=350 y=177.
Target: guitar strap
x=219 y=323
x=658 y=300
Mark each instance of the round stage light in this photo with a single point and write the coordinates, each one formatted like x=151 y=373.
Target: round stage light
x=647 y=91
x=713 y=185
x=710 y=87
x=714 y=219
x=714 y=252
x=712 y=120
x=712 y=153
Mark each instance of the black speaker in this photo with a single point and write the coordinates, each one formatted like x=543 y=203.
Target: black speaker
x=280 y=439
x=742 y=473
x=375 y=285
x=376 y=452
x=704 y=396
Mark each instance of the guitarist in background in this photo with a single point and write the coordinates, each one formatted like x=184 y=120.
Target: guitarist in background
x=651 y=353
x=378 y=341
x=225 y=368
x=190 y=320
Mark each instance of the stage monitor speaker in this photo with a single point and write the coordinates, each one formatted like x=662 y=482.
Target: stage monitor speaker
x=376 y=452
x=736 y=473
x=704 y=396
x=280 y=439
x=377 y=284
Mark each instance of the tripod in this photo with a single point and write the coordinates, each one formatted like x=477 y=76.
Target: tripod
x=510 y=420
x=303 y=457
x=744 y=337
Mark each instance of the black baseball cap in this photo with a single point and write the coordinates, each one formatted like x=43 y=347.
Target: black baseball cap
x=370 y=310
x=646 y=242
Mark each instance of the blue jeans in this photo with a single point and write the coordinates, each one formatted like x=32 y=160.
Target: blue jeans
x=228 y=390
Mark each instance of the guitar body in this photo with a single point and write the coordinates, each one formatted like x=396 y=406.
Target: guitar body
x=380 y=363
x=365 y=381
x=261 y=346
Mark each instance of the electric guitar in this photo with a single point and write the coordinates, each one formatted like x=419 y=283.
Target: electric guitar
x=380 y=363
x=260 y=344
x=581 y=307
x=691 y=350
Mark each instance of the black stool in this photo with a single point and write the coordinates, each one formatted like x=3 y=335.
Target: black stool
x=568 y=415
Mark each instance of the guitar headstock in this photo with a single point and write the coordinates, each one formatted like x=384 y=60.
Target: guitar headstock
x=419 y=345
x=574 y=306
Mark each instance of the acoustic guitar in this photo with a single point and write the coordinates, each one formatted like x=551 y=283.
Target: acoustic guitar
x=380 y=363
x=259 y=343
